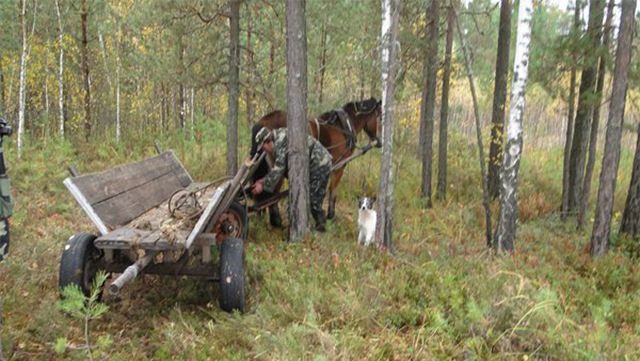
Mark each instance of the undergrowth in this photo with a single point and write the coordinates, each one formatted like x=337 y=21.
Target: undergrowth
x=441 y=296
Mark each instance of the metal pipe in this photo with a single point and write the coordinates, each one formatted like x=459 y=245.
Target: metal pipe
x=130 y=273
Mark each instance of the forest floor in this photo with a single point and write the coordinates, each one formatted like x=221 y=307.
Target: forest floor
x=443 y=295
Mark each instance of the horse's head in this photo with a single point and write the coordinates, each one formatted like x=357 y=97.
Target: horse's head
x=366 y=115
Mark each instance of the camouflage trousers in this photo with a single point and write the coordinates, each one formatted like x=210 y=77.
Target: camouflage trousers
x=318 y=179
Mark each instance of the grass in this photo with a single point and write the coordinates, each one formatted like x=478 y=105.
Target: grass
x=443 y=296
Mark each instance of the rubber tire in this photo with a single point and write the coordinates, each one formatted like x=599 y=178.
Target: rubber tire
x=231 y=290
x=241 y=212
x=77 y=264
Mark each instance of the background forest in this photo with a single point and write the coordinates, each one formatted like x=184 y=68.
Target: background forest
x=95 y=83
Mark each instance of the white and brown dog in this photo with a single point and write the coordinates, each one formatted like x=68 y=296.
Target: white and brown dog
x=367 y=217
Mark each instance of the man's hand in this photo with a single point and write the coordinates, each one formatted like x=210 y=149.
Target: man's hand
x=258 y=187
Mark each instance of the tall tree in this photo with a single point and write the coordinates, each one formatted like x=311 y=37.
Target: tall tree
x=23 y=70
x=249 y=92
x=389 y=34
x=297 y=120
x=234 y=88
x=630 y=223
x=429 y=100
x=60 y=71
x=476 y=113
x=585 y=106
x=441 y=188
x=507 y=220
x=569 y=132
x=611 y=157
x=499 y=98
x=84 y=52
x=595 y=118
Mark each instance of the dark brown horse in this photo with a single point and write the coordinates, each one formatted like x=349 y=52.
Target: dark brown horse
x=337 y=130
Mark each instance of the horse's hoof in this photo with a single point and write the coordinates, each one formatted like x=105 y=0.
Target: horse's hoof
x=275 y=221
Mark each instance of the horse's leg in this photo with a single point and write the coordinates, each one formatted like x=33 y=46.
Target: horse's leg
x=335 y=180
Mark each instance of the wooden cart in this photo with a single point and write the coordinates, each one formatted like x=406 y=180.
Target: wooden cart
x=151 y=216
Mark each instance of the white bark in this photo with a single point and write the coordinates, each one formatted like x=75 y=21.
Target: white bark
x=23 y=64
x=117 y=97
x=506 y=230
x=193 y=114
x=384 y=234
x=60 y=72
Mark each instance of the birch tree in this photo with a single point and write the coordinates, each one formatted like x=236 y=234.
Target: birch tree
x=611 y=157
x=297 y=120
x=60 y=72
x=84 y=53
x=23 y=70
x=507 y=220
x=234 y=86
x=389 y=34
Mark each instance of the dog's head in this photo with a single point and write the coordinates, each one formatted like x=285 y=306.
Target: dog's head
x=366 y=203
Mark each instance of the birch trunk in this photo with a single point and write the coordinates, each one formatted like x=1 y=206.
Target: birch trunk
x=234 y=71
x=297 y=120
x=507 y=221
x=60 y=73
x=23 y=65
x=611 y=158
x=476 y=112
x=389 y=33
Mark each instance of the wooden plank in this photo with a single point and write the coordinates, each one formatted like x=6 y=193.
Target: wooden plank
x=121 y=209
x=86 y=206
x=121 y=238
x=207 y=214
x=98 y=187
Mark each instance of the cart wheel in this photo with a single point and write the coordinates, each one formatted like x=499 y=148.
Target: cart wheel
x=233 y=223
x=80 y=262
x=232 y=275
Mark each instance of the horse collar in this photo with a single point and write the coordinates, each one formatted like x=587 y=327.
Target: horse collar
x=345 y=122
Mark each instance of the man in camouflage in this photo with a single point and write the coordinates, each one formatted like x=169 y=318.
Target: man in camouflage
x=275 y=143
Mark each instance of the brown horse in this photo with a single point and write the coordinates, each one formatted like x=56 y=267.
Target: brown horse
x=337 y=130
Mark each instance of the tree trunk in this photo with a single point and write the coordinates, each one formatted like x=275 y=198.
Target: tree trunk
x=182 y=102
x=569 y=132
x=118 y=126
x=23 y=70
x=585 y=106
x=323 y=62
x=630 y=224
x=441 y=188
x=611 y=158
x=476 y=112
x=507 y=221
x=297 y=120
x=389 y=34
x=234 y=87
x=249 y=93
x=2 y=93
x=84 y=52
x=595 y=121
x=429 y=101
x=60 y=72
x=499 y=99
x=46 y=92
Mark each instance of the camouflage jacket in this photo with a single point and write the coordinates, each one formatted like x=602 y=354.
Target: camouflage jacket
x=319 y=157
